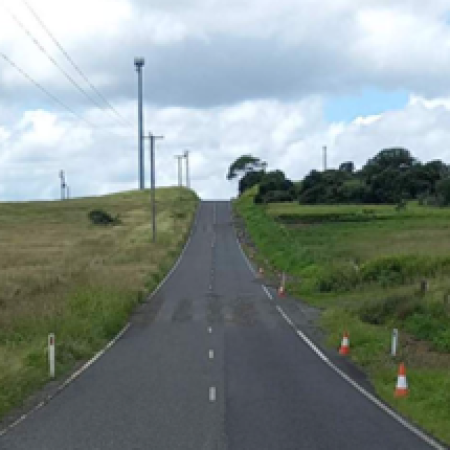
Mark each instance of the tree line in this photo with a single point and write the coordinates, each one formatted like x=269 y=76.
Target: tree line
x=393 y=176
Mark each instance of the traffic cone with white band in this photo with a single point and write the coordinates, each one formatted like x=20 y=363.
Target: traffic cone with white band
x=345 y=345
x=401 y=390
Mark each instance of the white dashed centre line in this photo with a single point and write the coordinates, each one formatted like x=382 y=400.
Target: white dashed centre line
x=212 y=394
x=211 y=354
x=209 y=330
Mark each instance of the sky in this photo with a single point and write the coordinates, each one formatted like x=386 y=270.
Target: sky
x=222 y=78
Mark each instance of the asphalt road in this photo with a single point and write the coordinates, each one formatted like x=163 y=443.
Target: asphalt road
x=210 y=363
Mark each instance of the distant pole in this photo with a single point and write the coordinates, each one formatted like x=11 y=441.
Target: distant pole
x=152 y=139
x=68 y=192
x=188 y=181
x=63 y=183
x=325 y=162
x=180 y=170
x=139 y=63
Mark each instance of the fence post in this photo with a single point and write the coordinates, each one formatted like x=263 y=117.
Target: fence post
x=51 y=354
x=394 y=344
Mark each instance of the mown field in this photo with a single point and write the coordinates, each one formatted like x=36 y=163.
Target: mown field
x=61 y=274
x=364 y=266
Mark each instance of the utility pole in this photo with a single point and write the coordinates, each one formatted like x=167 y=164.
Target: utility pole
x=139 y=63
x=152 y=139
x=180 y=169
x=188 y=181
x=62 y=177
x=325 y=162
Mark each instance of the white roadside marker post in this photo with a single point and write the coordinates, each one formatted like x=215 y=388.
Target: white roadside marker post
x=394 y=342
x=51 y=354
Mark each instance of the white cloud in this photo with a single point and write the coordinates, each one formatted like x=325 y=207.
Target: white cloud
x=223 y=78
x=288 y=136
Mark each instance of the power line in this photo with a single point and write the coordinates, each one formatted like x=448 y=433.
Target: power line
x=52 y=60
x=73 y=64
x=53 y=97
x=44 y=90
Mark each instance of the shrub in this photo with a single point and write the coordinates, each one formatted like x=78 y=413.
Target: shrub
x=431 y=324
x=100 y=217
x=338 y=278
x=441 y=341
x=379 y=312
x=278 y=197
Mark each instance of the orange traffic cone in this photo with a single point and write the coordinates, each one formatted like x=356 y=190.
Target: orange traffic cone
x=345 y=345
x=401 y=389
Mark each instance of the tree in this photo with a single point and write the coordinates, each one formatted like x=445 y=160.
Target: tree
x=325 y=187
x=275 y=187
x=348 y=167
x=392 y=158
x=393 y=176
x=244 y=165
x=249 y=180
x=443 y=191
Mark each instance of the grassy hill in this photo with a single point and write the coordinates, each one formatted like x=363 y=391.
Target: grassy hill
x=364 y=266
x=61 y=274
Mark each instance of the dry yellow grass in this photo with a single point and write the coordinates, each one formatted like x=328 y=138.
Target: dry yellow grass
x=59 y=273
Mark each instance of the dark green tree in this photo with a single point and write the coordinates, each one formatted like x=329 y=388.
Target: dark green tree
x=244 y=165
x=250 y=179
x=275 y=187
x=348 y=167
x=394 y=158
x=443 y=191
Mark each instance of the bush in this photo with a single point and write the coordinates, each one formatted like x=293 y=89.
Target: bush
x=100 y=217
x=338 y=278
x=395 y=270
x=379 y=312
x=277 y=197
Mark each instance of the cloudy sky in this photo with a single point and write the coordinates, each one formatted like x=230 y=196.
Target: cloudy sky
x=276 y=79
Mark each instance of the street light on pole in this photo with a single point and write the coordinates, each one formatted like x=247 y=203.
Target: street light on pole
x=139 y=64
x=152 y=139
x=188 y=181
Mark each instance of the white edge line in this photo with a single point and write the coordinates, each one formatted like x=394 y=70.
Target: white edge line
x=359 y=388
x=386 y=409
x=267 y=292
x=249 y=264
x=343 y=375
x=98 y=355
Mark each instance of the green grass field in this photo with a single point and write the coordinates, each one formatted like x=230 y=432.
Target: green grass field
x=363 y=266
x=61 y=274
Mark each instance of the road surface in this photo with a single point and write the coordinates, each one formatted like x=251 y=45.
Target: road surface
x=210 y=363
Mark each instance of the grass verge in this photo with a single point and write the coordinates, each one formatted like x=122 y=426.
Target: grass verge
x=363 y=266
x=61 y=274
